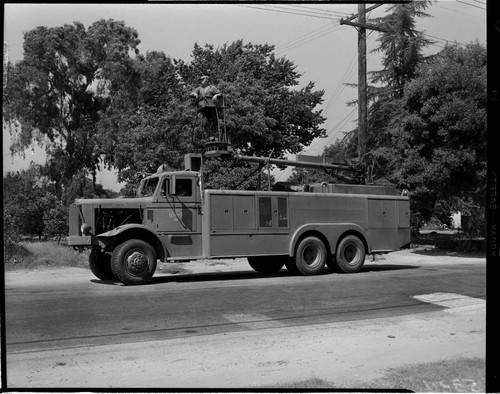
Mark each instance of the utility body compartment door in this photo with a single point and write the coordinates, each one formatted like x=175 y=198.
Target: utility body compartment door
x=388 y=223
x=242 y=224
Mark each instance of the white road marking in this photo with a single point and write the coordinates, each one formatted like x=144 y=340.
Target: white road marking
x=454 y=303
x=254 y=321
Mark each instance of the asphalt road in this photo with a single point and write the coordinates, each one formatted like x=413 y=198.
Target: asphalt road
x=79 y=311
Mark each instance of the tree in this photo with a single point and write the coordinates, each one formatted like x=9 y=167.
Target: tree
x=156 y=129
x=55 y=221
x=442 y=136
x=401 y=45
x=27 y=195
x=55 y=94
x=264 y=112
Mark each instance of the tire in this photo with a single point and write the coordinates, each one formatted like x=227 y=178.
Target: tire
x=311 y=256
x=266 y=264
x=350 y=255
x=100 y=265
x=134 y=262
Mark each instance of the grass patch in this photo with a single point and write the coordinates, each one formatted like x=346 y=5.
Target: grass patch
x=456 y=376
x=311 y=383
x=45 y=254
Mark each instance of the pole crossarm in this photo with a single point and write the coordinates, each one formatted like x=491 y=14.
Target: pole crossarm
x=352 y=17
x=366 y=26
x=348 y=20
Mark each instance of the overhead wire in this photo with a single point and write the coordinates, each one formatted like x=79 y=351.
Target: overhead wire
x=338 y=127
x=339 y=13
x=285 y=10
x=320 y=32
x=306 y=39
x=469 y=4
x=347 y=75
x=312 y=35
x=453 y=10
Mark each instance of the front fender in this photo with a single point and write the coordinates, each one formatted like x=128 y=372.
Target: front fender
x=131 y=231
x=331 y=231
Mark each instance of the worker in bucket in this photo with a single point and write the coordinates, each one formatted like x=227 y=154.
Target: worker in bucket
x=206 y=92
x=206 y=97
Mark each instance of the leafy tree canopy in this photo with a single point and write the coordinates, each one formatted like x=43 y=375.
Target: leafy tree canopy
x=55 y=95
x=265 y=112
x=442 y=136
x=401 y=45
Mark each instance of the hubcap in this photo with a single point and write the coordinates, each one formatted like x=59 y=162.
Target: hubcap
x=137 y=262
x=350 y=253
x=310 y=255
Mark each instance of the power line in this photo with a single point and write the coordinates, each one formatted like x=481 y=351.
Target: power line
x=285 y=11
x=320 y=9
x=306 y=39
x=342 y=84
x=307 y=10
x=339 y=126
x=304 y=36
x=453 y=10
x=312 y=34
x=469 y=4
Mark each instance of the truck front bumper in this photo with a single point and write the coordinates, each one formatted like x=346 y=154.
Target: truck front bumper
x=82 y=240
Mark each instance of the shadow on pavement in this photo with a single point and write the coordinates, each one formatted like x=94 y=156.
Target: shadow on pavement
x=243 y=275
x=386 y=267
x=447 y=253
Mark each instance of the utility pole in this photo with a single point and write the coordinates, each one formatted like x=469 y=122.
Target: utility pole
x=362 y=88
x=361 y=26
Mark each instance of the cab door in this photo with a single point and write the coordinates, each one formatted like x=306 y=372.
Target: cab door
x=176 y=216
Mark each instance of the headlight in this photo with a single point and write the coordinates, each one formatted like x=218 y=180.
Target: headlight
x=85 y=228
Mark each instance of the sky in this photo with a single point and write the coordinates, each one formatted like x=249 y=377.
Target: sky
x=309 y=34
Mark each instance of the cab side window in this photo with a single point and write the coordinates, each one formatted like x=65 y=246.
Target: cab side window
x=184 y=187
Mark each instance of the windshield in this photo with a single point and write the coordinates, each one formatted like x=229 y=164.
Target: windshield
x=148 y=187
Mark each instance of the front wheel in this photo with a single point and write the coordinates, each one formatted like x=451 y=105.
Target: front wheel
x=266 y=264
x=100 y=265
x=134 y=262
x=350 y=255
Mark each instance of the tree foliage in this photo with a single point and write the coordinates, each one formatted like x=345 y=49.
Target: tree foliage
x=401 y=45
x=55 y=94
x=442 y=136
x=426 y=121
x=265 y=113
x=55 y=221
x=27 y=195
x=265 y=109
x=32 y=207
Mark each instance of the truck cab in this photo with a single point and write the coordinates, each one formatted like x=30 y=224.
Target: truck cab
x=163 y=220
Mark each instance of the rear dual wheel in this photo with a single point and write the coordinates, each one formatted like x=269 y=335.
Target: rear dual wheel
x=310 y=257
x=349 y=256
